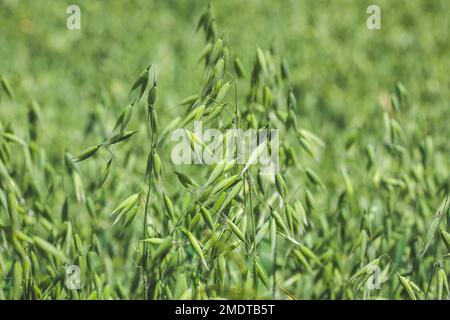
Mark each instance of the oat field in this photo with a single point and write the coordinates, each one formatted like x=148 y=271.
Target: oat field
x=109 y=190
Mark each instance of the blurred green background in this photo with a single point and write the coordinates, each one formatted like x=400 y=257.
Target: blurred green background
x=337 y=64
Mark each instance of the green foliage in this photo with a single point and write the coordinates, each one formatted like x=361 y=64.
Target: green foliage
x=86 y=176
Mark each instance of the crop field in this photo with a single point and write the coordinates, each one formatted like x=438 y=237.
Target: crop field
x=178 y=150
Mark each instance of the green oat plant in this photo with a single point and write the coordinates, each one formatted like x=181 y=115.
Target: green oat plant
x=140 y=227
x=228 y=216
